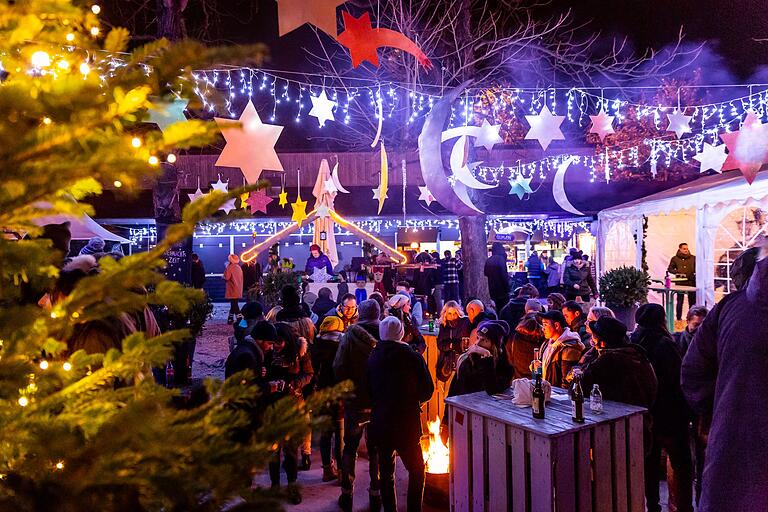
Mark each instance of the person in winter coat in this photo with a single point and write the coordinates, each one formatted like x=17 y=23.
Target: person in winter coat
x=535 y=270
x=498 y=278
x=317 y=260
x=723 y=378
x=454 y=327
x=514 y=311
x=198 y=272
x=577 y=320
x=350 y=363
x=553 y=273
x=576 y=279
x=693 y=320
x=527 y=337
x=287 y=373
x=323 y=353
x=561 y=349
x=590 y=353
x=398 y=382
x=477 y=368
x=94 y=246
x=670 y=412
x=476 y=317
x=295 y=313
x=233 y=275
x=323 y=304
x=399 y=305
x=346 y=310
x=450 y=278
x=683 y=264
x=251 y=275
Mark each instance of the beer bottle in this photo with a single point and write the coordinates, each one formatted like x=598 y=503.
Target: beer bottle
x=577 y=397
x=537 y=398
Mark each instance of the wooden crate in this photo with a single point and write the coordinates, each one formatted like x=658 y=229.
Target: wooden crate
x=504 y=459
x=435 y=408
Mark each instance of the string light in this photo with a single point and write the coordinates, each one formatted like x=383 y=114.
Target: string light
x=171 y=158
x=70 y=37
x=136 y=142
x=23 y=401
x=60 y=465
x=47 y=120
x=63 y=64
x=66 y=366
x=153 y=160
x=118 y=183
x=43 y=364
x=41 y=59
x=94 y=31
x=95 y=9
x=85 y=68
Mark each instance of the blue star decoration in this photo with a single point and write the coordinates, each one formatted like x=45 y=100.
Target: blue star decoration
x=320 y=275
x=520 y=186
x=168 y=112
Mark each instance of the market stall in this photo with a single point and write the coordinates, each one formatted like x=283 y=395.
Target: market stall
x=718 y=216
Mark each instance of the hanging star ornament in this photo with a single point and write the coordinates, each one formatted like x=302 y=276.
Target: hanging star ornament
x=323 y=211
x=292 y=14
x=197 y=195
x=678 y=123
x=602 y=124
x=320 y=275
x=282 y=198
x=228 y=206
x=330 y=186
x=520 y=186
x=711 y=157
x=243 y=199
x=299 y=210
x=488 y=135
x=377 y=194
x=426 y=196
x=251 y=146
x=545 y=127
x=258 y=201
x=168 y=112
x=220 y=185
x=747 y=147
x=322 y=108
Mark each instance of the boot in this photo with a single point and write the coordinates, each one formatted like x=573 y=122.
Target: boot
x=293 y=493
x=374 y=501
x=306 y=463
x=231 y=319
x=345 y=502
x=329 y=473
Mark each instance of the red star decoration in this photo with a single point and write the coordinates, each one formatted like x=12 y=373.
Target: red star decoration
x=747 y=147
x=258 y=201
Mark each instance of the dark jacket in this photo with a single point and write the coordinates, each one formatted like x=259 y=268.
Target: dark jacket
x=534 y=266
x=580 y=327
x=398 y=382
x=496 y=272
x=297 y=316
x=670 y=411
x=251 y=275
x=245 y=356
x=321 y=307
x=288 y=366
x=413 y=336
x=565 y=355
x=723 y=377
x=580 y=276
x=683 y=340
x=351 y=359
x=321 y=261
x=323 y=354
x=684 y=265
x=519 y=353
x=514 y=311
x=477 y=371
x=198 y=274
x=450 y=335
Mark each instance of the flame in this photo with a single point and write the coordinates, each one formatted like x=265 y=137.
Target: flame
x=436 y=454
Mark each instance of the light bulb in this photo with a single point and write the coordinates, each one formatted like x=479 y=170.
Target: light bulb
x=94 y=31
x=59 y=465
x=23 y=401
x=41 y=59
x=171 y=158
x=47 y=120
x=118 y=183
x=153 y=160
x=70 y=37
x=43 y=364
x=67 y=366
x=85 y=68
x=95 y=9
x=136 y=142
x=63 y=64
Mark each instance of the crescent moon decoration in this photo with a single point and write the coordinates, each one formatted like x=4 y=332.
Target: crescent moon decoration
x=335 y=178
x=558 y=188
x=461 y=170
x=453 y=198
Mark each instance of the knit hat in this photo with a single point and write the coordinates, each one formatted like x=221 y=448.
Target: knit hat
x=264 y=330
x=332 y=323
x=95 y=244
x=650 y=316
x=398 y=300
x=252 y=310
x=609 y=330
x=533 y=305
x=368 y=311
x=391 y=329
x=234 y=258
x=494 y=330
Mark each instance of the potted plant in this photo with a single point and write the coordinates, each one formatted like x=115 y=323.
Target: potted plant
x=623 y=289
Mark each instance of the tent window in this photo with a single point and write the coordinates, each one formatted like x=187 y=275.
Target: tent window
x=737 y=232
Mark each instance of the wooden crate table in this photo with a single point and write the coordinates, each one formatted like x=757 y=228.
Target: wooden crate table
x=504 y=459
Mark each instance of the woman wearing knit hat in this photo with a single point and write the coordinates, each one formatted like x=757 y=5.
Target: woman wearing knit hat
x=399 y=306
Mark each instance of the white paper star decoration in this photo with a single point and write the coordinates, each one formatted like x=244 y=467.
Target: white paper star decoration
x=426 y=196
x=520 y=186
x=228 y=206
x=224 y=188
x=168 y=112
x=602 y=124
x=197 y=195
x=320 y=275
x=377 y=193
x=322 y=108
x=545 y=127
x=711 y=157
x=678 y=123
x=323 y=211
x=251 y=147
x=330 y=186
x=488 y=136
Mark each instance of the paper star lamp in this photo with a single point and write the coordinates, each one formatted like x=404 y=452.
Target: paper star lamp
x=426 y=196
x=330 y=186
x=545 y=127
x=320 y=275
x=258 y=201
x=488 y=136
x=602 y=124
x=168 y=112
x=228 y=206
x=220 y=185
x=520 y=186
x=243 y=199
x=282 y=198
x=197 y=195
x=678 y=123
x=299 y=210
x=711 y=157
x=292 y=14
x=377 y=194
x=322 y=108
x=323 y=211
x=251 y=147
x=747 y=148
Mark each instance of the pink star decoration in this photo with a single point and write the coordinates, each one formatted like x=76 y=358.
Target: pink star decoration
x=258 y=201
x=747 y=147
x=602 y=124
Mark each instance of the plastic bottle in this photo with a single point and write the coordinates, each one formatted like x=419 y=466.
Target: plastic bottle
x=667 y=282
x=596 y=400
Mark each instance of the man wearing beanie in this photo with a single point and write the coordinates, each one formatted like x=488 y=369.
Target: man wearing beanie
x=249 y=351
x=399 y=382
x=350 y=363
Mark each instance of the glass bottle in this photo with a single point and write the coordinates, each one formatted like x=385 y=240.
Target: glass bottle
x=596 y=400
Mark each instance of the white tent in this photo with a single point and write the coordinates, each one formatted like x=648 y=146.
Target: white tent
x=718 y=216
x=82 y=227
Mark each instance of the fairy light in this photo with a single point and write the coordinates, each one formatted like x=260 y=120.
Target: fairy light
x=59 y=465
x=66 y=366
x=118 y=183
x=70 y=37
x=171 y=158
x=40 y=59
x=47 y=120
x=95 y=31
x=63 y=64
x=85 y=68
x=44 y=364
x=95 y=9
x=136 y=142
x=153 y=160
x=23 y=401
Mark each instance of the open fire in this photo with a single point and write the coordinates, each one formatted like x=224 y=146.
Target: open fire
x=435 y=451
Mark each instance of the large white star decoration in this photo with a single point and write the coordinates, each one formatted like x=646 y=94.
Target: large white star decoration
x=377 y=193
x=711 y=157
x=602 y=124
x=545 y=127
x=251 y=147
x=322 y=108
x=488 y=135
x=330 y=186
x=197 y=195
x=323 y=211
x=168 y=112
x=520 y=186
x=426 y=196
x=320 y=275
x=678 y=123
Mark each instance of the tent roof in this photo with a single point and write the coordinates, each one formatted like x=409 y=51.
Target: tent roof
x=82 y=228
x=719 y=189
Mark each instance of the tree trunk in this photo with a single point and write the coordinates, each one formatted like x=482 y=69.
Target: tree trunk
x=474 y=252
x=170 y=19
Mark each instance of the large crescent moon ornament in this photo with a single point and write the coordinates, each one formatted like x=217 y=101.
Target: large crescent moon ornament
x=558 y=188
x=335 y=178
x=460 y=168
x=453 y=197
